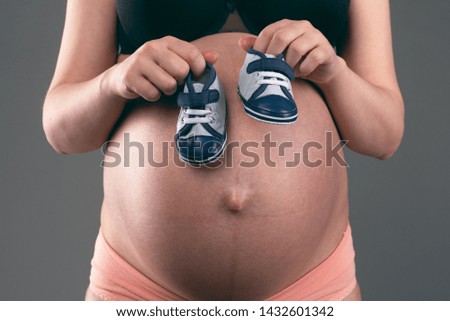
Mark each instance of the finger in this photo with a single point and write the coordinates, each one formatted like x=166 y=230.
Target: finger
x=210 y=56
x=142 y=87
x=126 y=85
x=264 y=37
x=129 y=92
x=160 y=78
x=313 y=60
x=247 y=42
x=282 y=39
x=190 y=53
x=177 y=67
x=173 y=64
x=300 y=47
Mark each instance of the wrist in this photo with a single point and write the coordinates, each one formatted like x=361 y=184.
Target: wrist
x=339 y=71
x=106 y=86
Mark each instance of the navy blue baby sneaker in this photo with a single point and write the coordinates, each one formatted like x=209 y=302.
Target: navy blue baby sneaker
x=201 y=127
x=265 y=88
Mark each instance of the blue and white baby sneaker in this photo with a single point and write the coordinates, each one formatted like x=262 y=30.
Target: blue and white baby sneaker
x=201 y=127
x=265 y=88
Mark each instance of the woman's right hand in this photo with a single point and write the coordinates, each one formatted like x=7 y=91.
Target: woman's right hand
x=157 y=66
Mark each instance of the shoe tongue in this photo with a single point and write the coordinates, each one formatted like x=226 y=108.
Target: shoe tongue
x=271 y=56
x=198 y=87
x=203 y=82
x=279 y=56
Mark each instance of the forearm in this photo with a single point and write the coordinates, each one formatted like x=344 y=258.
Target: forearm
x=78 y=117
x=371 y=118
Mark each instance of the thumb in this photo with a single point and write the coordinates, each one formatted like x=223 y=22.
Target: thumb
x=210 y=56
x=247 y=42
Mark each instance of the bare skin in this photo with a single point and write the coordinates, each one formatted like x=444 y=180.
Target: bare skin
x=230 y=232
x=278 y=221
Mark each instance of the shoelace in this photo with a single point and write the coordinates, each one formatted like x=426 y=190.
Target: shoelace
x=272 y=78
x=200 y=116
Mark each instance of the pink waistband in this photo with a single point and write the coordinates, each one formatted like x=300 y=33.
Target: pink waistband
x=331 y=280
x=112 y=278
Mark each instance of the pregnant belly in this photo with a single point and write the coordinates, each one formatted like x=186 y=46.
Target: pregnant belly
x=244 y=228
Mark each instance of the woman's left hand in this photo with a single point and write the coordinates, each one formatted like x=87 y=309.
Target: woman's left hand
x=305 y=48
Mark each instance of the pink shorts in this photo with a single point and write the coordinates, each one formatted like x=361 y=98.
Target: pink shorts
x=114 y=279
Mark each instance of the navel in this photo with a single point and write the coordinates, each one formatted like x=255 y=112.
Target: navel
x=236 y=199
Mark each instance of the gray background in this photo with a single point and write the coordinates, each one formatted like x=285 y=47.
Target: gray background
x=50 y=204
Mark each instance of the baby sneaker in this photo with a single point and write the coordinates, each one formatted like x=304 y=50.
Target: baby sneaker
x=201 y=127
x=265 y=88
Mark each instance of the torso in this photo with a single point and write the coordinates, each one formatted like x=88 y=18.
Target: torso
x=231 y=232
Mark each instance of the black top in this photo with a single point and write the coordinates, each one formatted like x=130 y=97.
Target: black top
x=144 y=20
